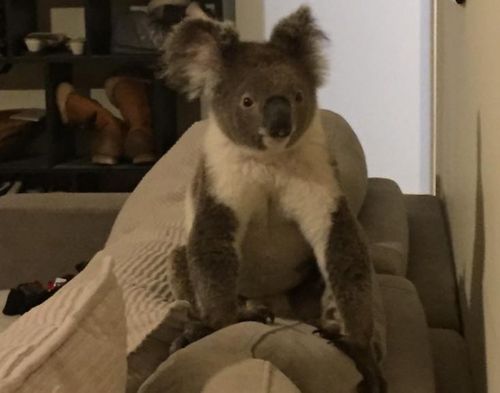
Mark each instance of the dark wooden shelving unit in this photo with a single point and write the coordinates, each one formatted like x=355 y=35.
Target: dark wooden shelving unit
x=29 y=164
x=67 y=57
x=84 y=165
x=56 y=152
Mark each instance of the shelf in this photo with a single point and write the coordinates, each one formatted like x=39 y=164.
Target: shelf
x=67 y=57
x=38 y=164
x=60 y=144
x=85 y=165
x=24 y=165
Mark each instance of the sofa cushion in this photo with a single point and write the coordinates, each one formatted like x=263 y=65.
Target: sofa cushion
x=453 y=374
x=48 y=349
x=408 y=365
x=430 y=265
x=250 y=376
x=66 y=228
x=308 y=361
x=384 y=218
x=350 y=158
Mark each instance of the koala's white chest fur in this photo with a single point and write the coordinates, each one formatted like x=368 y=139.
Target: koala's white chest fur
x=266 y=191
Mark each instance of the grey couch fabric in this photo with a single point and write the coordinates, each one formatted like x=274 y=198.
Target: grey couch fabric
x=384 y=218
x=290 y=346
x=452 y=372
x=409 y=364
x=350 y=158
x=431 y=266
x=45 y=235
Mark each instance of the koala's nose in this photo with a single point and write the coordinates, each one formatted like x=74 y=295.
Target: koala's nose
x=278 y=117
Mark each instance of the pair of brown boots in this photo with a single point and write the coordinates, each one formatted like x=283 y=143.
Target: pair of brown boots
x=113 y=138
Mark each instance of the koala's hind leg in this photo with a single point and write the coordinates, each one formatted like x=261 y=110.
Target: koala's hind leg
x=195 y=329
x=182 y=290
x=205 y=271
x=179 y=276
x=343 y=261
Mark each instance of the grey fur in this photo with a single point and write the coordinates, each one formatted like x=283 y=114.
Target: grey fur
x=206 y=57
x=193 y=55
x=349 y=270
x=205 y=271
x=211 y=256
x=299 y=37
x=260 y=71
x=179 y=277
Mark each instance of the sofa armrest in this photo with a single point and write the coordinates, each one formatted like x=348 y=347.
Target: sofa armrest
x=385 y=221
x=45 y=235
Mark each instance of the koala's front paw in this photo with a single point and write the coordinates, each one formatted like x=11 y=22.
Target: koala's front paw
x=376 y=384
x=255 y=313
x=330 y=330
x=193 y=331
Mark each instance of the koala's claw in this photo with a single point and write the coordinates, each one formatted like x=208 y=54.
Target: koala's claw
x=256 y=314
x=331 y=331
x=193 y=332
x=379 y=385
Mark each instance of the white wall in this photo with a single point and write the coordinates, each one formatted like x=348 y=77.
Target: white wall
x=468 y=162
x=380 y=57
x=250 y=19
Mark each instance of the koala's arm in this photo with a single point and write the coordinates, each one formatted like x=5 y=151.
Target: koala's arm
x=211 y=256
x=331 y=229
x=349 y=293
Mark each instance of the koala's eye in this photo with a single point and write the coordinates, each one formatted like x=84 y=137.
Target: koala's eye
x=247 y=102
x=299 y=97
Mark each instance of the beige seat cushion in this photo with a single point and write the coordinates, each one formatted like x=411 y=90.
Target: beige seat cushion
x=250 y=376
x=73 y=342
x=308 y=361
x=311 y=364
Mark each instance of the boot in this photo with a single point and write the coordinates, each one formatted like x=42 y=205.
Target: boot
x=106 y=145
x=129 y=95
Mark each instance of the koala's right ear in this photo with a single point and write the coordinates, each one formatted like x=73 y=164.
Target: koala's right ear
x=194 y=54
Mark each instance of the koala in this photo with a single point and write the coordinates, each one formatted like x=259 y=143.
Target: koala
x=265 y=187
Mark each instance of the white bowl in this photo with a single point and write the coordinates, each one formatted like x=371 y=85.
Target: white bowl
x=76 y=46
x=33 y=44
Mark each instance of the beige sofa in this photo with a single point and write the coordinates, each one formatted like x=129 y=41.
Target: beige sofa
x=44 y=235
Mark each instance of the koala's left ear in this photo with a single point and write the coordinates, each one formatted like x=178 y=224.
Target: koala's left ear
x=194 y=54
x=299 y=36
